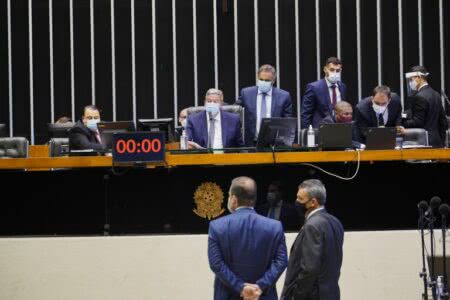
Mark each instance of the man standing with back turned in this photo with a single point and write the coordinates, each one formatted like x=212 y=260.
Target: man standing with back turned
x=315 y=261
x=246 y=251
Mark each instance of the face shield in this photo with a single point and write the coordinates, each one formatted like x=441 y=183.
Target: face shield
x=411 y=85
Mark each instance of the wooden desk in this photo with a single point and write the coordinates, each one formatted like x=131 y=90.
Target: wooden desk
x=174 y=160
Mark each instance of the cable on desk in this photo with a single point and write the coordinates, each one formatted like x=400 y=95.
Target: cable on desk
x=335 y=175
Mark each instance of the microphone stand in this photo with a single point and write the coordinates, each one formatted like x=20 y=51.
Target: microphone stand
x=444 y=229
x=423 y=274
x=432 y=274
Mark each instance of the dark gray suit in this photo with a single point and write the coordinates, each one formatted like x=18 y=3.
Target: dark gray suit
x=427 y=112
x=315 y=261
x=366 y=117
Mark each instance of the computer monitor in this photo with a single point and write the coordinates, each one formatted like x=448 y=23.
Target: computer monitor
x=107 y=129
x=59 y=130
x=275 y=132
x=335 y=136
x=3 y=132
x=158 y=125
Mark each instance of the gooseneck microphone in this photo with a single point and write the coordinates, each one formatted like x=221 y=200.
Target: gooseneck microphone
x=444 y=209
x=423 y=207
x=434 y=204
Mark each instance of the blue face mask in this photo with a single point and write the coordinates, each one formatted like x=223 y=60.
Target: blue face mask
x=264 y=86
x=212 y=108
x=92 y=124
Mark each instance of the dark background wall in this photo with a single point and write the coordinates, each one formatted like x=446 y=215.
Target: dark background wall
x=164 y=63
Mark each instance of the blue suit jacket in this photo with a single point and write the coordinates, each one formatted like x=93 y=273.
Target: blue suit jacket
x=245 y=247
x=281 y=107
x=197 y=129
x=316 y=103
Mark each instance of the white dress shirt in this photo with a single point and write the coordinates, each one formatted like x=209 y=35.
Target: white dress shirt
x=217 y=144
x=314 y=211
x=258 y=108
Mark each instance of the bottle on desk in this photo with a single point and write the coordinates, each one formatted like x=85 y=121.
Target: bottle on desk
x=183 y=141
x=310 y=142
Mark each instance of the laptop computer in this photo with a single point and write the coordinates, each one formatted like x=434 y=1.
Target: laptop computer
x=381 y=138
x=335 y=136
x=107 y=130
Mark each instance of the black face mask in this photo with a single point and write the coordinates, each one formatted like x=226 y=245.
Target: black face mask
x=300 y=208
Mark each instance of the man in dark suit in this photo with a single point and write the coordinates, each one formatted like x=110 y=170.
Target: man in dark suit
x=278 y=209
x=315 y=260
x=214 y=128
x=343 y=113
x=426 y=109
x=322 y=95
x=382 y=109
x=263 y=101
x=246 y=251
x=84 y=134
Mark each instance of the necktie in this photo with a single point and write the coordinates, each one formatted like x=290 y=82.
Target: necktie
x=212 y=131
x=380 y=120
x=334 y=96
x=263 y=106
x=97 y=136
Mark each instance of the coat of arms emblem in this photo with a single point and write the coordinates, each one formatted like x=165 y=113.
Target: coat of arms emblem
x=208 y=198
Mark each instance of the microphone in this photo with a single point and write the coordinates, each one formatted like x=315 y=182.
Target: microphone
x=434 y=204
x=444 y=210
x=422 y=206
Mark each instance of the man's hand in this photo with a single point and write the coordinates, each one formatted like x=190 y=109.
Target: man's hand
x=400 y=129
x=194 y=145
x=251 y=292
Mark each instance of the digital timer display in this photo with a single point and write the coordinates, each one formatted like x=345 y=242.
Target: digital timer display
x=138 y=147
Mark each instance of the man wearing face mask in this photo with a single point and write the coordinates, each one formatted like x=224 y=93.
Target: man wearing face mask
x=426 y=109
x=263 y=101
x=246 y=251
x=315 y=260
x=382 y=109
x=278 y=209
x=84 y=135
x=214 y=128
x=321 y=96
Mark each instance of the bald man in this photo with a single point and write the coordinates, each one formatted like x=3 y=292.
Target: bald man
x=343 y=113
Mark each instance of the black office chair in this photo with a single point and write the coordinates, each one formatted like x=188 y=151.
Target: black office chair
x=59 y=130
x=13 y=147
x=415 y=136
x=235 y=109
x=58 y=147
x=3 y=132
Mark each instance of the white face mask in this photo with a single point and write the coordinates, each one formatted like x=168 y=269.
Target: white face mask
x=183 y=123
x=378 y=108
x=92 y=124
x=229 y=206
x=413 y=85
x=334 y=77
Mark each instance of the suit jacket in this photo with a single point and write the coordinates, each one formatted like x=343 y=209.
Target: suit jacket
x=82 y=138
x=246 y=247
x=281 y=107
x=427 y=112
x=197 y=129
x=366 y=117
x=316 y=102
x=315 y=260
x=289 y=217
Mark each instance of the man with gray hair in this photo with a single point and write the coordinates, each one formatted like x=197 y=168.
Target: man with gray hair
x=214 y=128
x=263 y=101
x=315 y=261
x=246 y=251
